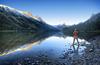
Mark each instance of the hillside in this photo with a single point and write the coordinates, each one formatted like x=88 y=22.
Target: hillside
x=87 y=30
x=15 y=20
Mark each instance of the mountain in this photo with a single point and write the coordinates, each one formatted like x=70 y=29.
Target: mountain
x=88 y=29
x=16 y=20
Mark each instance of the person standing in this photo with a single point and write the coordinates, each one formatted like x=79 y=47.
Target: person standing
x=75 y=36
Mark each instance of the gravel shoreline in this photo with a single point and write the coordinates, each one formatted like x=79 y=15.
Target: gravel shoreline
x=91 y=55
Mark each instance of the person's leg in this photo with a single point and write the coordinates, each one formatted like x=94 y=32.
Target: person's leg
x=73 y=44
x=73 y=41
x=78 y=43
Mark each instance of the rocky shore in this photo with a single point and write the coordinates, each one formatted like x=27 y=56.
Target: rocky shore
x=91 y=55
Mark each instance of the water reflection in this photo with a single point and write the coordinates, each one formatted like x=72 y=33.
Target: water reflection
x=52 y=45
x=13 y=40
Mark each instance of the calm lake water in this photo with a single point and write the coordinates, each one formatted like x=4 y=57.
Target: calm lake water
x=53 y=46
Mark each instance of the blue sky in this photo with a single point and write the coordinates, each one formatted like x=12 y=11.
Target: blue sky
x=57 y=11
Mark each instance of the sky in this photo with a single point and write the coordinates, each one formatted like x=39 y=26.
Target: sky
x=56 y=12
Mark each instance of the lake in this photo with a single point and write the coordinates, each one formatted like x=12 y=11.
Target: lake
x=29 y=45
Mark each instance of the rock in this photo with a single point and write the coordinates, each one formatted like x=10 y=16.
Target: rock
x=90 y=50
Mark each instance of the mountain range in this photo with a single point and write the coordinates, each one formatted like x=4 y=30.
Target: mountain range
x=16 y=20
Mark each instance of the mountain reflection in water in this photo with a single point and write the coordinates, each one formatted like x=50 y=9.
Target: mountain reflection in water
x=12 y=40
x=19 y=45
